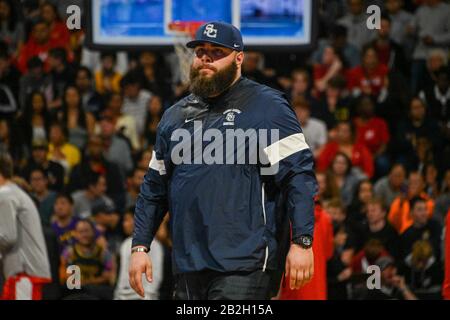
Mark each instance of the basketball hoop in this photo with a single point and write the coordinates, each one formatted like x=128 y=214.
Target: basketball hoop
x=182 y=32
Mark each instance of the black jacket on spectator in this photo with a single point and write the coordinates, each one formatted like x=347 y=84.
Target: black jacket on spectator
x=54 y=171
x=114 y=181
x=387 y=236
x=431 y=231
x=407 y=136
x=437 y=109
x=11 y=79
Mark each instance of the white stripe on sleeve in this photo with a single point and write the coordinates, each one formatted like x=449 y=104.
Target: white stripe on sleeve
x=157 y=165
x=285 y=147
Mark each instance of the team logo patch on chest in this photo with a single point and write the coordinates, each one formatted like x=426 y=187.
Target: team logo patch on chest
x=230 y=116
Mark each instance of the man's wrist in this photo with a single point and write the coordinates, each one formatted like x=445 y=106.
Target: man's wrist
x=304 y=241
x=139 y=249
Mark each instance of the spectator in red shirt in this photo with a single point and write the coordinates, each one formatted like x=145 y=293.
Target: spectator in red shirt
x=357 y=152
x=330 y=66
x=323 y=246
x=370 y=77
x=58 y=29
x=39 y=44
x=372 y=132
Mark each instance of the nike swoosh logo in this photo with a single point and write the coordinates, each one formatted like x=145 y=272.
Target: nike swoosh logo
x=189 y=120
x=236 y=45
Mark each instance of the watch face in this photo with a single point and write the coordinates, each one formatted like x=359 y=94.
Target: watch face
x=306 y=241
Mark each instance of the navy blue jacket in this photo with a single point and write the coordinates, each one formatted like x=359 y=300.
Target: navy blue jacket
x=225 y=217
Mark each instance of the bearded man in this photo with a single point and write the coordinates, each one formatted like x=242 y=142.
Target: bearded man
x=229 y=217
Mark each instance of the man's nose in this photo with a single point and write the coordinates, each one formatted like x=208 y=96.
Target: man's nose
x=206 y=58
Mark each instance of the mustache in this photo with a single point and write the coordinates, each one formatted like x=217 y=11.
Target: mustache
x=206 y=66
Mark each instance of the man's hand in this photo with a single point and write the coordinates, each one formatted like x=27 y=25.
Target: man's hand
x=140 y=263
x=299 y=266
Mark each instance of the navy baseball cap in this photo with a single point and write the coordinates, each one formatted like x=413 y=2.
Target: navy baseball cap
x=220 y=33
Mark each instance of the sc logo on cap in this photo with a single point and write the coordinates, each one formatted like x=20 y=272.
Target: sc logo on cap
x=210 y=31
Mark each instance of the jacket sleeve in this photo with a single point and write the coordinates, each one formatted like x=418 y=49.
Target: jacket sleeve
x=152 y=203
x=8 y=225
x=291 y=164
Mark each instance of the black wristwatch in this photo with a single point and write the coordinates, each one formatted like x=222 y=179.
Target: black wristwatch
x=303 y=241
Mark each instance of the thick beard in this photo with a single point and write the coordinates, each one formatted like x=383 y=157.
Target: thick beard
x=206 y=87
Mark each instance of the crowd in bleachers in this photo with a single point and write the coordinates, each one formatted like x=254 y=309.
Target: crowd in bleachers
x=374 y=106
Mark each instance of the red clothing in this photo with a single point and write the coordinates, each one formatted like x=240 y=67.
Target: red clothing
x=360 y=262
x=323 y=251
x=23 y=287
x=60 y=33
x=372 y=134
x=358 y=78
x=32 y=49
x=446 y=284
x=384 y=53
x=361 y=157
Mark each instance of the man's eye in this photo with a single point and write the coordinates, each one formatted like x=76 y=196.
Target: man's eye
x=218 y=53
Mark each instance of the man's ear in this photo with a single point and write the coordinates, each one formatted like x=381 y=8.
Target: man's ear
x=239 y=58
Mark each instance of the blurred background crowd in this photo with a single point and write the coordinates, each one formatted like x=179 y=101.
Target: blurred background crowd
x=374 y=106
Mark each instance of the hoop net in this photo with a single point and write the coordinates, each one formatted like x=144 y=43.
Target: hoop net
x=182 y=32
